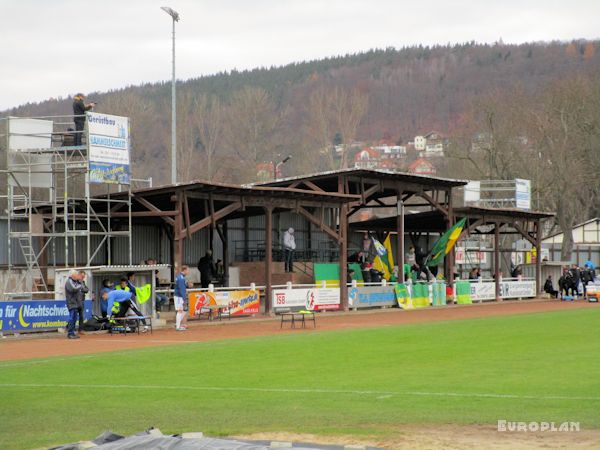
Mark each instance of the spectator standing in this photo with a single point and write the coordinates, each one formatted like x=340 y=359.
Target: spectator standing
x=81 y=299
x=576 y=274
x=366 y=249
x=79 y=109
x=72 y=289
x=411 y=258
x=289 y=245
x=180 y=299
x=586 y=277
x=206 y=267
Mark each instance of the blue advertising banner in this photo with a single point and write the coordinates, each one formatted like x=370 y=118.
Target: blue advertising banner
x=109 y=173
x=108 y=147
x=370 y=296
x=37 y=315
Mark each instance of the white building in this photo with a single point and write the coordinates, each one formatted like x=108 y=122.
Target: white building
x=586 y=243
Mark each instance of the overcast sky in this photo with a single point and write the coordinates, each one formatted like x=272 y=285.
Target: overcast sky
x=59 y=47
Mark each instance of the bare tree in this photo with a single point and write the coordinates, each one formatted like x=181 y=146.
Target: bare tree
x=492 y=138
x=253 y=125
x=565 y=129
x=208 y=117
x=336 y=110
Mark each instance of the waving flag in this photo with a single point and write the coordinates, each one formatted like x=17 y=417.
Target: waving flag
x=143 y=293
x=384 y=261
x=445 y=243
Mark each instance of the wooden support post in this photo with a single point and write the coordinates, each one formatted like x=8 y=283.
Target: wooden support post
x=538 y=257
x=225 y=256
x=497 y=259
x=451 y=257
x=246 y=238
x=268 y=257
x=177 y=256
x=343 y=244
x=400 y=237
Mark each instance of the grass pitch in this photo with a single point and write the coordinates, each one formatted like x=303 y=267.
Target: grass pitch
x=536 y=367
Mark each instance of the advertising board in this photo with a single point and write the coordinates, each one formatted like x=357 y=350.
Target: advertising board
x=316 y=299
x=37 y=315
x=370 y=296
x=108 y=143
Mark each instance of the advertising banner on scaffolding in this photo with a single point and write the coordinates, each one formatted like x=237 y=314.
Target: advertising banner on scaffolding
x=108 y=148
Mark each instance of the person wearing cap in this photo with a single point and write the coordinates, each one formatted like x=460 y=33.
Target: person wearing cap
x=79 y=109
x=81 y=299
x=73 y=291
x=289 y=245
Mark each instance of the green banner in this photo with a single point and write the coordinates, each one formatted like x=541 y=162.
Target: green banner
x=463 y=293
x=420 y=297
x=403 y=296
x=439 y=294
x=330 y=273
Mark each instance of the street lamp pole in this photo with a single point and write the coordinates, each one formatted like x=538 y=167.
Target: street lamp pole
x=175 y=16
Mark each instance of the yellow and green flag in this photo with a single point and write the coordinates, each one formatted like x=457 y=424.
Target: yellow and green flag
x=445 y=243
x=143 y=293
x=384 y=261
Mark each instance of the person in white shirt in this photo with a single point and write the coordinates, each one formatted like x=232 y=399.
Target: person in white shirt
x=289 y=245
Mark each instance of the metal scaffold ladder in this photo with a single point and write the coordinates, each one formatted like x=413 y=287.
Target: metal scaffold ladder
x=31 y=261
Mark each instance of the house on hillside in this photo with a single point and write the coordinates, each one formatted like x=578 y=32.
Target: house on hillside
x=586 y=243
x=419 y=143
x=430 y=145
x=367 y=158
x=265 y=171
x=422 y=166
x=391 y=151
x=434 y=145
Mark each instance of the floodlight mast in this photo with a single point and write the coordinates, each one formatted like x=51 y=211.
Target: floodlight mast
x=175 y=16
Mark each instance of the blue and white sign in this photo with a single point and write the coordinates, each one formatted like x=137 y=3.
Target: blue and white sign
x=371 y=296
x=108 y=144
x=523 y=193
x=37 y=315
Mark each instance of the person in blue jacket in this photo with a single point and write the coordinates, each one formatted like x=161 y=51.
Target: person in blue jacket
x=180 y=299
x=123 y=299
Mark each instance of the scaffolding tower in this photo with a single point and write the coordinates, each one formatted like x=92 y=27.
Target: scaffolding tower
x=54 y=201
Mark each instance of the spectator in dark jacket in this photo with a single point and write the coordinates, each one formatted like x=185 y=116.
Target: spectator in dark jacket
x=549 y=288
x=206 y=266
x=72 y=292
x=576 y=274
x=81 y=299
x=79 y=109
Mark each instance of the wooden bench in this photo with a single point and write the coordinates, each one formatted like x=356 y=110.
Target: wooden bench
x=301 y=317
x=122 y=328
x=215 y=311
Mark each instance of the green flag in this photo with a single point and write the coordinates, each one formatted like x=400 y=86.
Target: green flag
x=445 y=243
x=143 y=293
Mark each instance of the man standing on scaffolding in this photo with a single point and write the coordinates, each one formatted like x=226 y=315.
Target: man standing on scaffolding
x=79 y=109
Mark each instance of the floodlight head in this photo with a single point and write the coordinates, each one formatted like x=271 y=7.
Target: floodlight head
x=174 y=14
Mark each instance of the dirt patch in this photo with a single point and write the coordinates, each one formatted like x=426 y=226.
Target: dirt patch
x=53 y=344
x=423 y=437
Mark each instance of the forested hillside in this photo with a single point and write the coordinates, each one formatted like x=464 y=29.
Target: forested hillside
x=229 y=122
